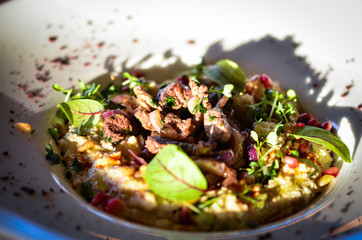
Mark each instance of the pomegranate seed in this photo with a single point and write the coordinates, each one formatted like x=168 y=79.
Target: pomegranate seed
x=332 y=171
x=185 y=215
x=327 y=125
x=139 y=74
x=112 y=205
x=183 y=80
x=99 y=198
x=266 y=81
x=313 y=122
x=292 y=162
x=299 y=124
x=304 y=118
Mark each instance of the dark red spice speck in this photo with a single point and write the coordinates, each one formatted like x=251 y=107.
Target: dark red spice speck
x=349 y=193
x=16 y=194
x=191 y=42
x=51 y=189
x=6 y=153
x=63 y=47
x=43 y=77
x=5 y=178
x=62 y=60
x=39 y=67
x=135 y=40
x=315 y=85
x=28 y=190
x=53 y=38
x=359 y=107
x=346 y=207
x=78 y=228
x=100 y=44
x=44 y=193
x=86 y=64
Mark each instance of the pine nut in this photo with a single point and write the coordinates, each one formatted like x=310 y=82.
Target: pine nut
x=23 y=127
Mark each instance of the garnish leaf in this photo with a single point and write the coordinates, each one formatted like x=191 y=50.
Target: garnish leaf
x=325 y=138
x=174 y=176
x=227 y=72
x=86 y=110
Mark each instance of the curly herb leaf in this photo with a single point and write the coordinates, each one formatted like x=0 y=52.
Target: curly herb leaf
x=325 y=138
x=174 y=176
x=227 y=72
x=86 y=110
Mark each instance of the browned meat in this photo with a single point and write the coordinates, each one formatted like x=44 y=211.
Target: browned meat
x=143 y=116
x=183 y=127
x=216 y=125
x=238 y=146
x=155 y=143
x=201 y=92
x=173 y=96
x=117 y=127
x=144 y=98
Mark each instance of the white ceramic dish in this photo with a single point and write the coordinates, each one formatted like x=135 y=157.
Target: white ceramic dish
x=313 y=48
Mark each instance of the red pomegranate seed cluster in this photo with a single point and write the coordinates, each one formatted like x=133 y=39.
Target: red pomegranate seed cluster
x=106 y=203
x=266 y=81
x=307 y=119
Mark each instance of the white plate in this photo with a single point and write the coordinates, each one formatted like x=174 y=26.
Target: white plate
x=311 y=47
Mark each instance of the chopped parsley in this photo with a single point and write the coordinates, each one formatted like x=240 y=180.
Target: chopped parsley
x=170 y=102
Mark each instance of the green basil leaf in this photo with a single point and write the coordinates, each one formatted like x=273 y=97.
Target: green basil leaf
x=86 y=110
x=174 y=176
x=325 y=138
x=226 y=72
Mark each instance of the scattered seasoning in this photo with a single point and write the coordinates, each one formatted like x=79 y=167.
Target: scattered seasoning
x=6 y=153
x=28 y=190
x=63 y=47
x=346 y=207
x=89 y=22
x=62 y=60
x=348 y=88
x=191 y=42
x=44 y=193
x=53 y=38
x=135 y=40
x=16 y=194
x=5 y=178
x=349 y=193
x=78 y=227
x=101 y=44
x=39 y=67
x=43 y=77
x=86 y=64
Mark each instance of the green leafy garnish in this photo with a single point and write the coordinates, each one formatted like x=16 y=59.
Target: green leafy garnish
x=227 y=72
x=174 y=176
x=86 y=110
x=51 y=156
x=170 y=102
x=258 y=169
x=86 y=91
x=86 y=190
x=274 y=105
x=325 y=138
x=76 y=165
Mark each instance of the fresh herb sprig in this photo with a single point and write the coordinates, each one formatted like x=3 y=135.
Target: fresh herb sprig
x=259 y=169
x=274 y=106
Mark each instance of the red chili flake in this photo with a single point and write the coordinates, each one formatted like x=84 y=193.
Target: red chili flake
x=191 y=42
x=100 y=44
x=39 y=67
x=63 y=47
x=135 y=40
x=53 y=38
x=86 y=64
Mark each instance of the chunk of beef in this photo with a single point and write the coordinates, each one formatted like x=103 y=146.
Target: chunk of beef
x=174 y=96
x=216 y=125
x=238 y=144
x=184 y=127
x=155 y=143
x=144 y=98
x=201 y=92
x=143 y=116
x=117 y=127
